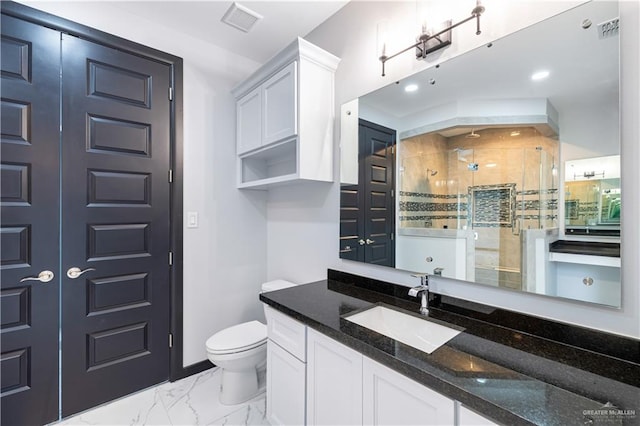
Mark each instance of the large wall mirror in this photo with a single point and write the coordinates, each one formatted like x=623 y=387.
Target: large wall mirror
x=500 y=166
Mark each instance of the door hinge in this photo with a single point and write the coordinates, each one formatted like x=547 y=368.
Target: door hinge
x=393 y=193
x=170 y=175
x=170 y=93
x=170 y=340
x=392 y=236
x=170 y=258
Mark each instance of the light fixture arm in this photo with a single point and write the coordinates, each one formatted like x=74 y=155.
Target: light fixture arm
x=424 y=38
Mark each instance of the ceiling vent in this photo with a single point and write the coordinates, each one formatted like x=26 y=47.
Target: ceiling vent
x=240 y=17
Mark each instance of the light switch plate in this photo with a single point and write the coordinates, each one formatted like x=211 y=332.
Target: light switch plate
x=192 y=219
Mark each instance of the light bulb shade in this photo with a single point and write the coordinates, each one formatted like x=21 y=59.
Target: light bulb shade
x=382 y=39
x=430 y=14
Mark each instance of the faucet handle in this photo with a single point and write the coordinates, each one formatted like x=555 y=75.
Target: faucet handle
x=424 y=277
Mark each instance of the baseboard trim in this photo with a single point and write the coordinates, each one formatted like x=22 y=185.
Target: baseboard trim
x=190 y=370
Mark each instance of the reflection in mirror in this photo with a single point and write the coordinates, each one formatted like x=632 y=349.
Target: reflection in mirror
x=480 y=194
x=496 y=187
x=592 y=196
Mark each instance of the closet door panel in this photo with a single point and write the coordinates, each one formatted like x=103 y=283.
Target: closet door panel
x=29 y=208
x=115 y=226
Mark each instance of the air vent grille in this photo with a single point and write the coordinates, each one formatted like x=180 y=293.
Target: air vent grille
x=241 y=17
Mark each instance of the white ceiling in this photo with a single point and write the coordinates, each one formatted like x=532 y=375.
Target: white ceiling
x=282 y=22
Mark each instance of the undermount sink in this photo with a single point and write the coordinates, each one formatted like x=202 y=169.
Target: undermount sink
x=419 y=333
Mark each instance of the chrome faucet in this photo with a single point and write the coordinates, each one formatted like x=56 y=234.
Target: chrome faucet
x=423 y=290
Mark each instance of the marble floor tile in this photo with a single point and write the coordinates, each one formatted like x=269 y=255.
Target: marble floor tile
x=190 y=401
x=143 y=408
x=252 y=414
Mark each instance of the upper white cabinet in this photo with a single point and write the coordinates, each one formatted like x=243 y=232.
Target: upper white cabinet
x=279 y=106
x=248 y=112
x=285 y=117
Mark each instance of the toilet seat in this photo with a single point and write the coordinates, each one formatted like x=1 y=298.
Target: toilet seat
x=239 y=338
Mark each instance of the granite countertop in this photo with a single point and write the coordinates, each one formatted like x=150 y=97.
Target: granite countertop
x=590 y=248
x=509 y=367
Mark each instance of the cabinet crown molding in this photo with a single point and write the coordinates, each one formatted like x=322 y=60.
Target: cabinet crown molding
x=298 y=49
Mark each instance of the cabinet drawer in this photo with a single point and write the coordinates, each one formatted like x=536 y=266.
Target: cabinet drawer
x=287 y=332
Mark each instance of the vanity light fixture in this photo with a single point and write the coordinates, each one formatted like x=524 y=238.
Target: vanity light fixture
x=589 y=175
x=430 y=42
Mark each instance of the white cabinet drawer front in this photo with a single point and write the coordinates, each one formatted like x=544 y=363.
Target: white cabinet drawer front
x=287 y=332
x=280 y=106
x=285 y=387
x=467 y=417
x=390 y=398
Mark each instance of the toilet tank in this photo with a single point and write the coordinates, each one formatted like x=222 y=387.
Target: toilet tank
x=276 y=285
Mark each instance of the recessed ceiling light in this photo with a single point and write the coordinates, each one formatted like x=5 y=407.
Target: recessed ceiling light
x=540 y=75
x=491 y=165
x=515 y=133
x=410 y=87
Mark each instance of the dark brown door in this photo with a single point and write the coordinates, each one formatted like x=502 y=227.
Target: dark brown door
x=30 y=222
x=115 y=223
x=367 y=210
x=377 y=154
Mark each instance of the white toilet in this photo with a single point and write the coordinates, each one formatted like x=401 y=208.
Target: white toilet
x=241 y=351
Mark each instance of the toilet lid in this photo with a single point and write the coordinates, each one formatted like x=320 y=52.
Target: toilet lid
x=240 y=337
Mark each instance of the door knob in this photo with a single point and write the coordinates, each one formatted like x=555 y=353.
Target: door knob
x=75 y=272
x=370 y=241
x=361 y=242
x=43 y=277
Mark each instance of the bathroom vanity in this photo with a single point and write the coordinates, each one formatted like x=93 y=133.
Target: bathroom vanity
x=502 y=368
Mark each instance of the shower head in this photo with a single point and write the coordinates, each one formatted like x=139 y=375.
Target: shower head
x=472 y=135
x=432 y=172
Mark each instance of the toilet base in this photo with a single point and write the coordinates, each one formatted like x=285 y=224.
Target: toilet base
x=238 y=386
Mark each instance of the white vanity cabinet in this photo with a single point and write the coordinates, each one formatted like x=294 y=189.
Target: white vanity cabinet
x=334 y=382
x=286 y=369
x=285 y=117
x=312 y=379
x=390 y=398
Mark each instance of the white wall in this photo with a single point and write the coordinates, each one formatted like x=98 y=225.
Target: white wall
x=224 y=259
x=302 y=228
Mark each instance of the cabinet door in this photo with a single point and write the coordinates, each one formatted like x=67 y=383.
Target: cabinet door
x=334 y=382
x=392 y=399
x=279 y=106
x=467 y=417
x=285 y=387
x=249 y=121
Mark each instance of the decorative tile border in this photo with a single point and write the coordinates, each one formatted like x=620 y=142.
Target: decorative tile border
x=500 y=207
x=429 y=195
x=413 y=206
